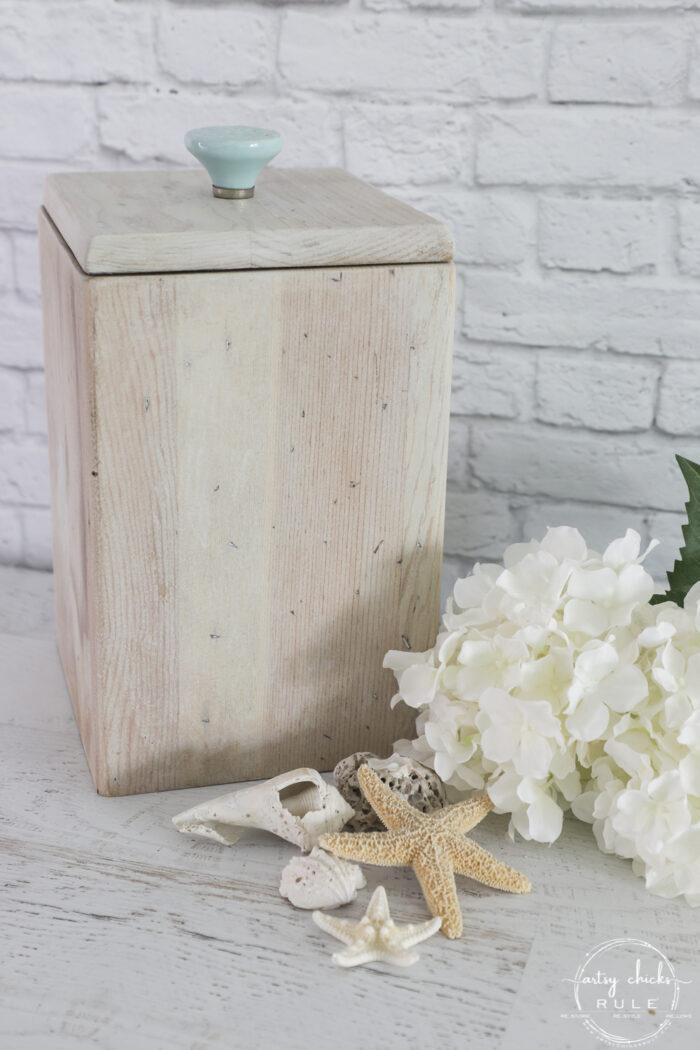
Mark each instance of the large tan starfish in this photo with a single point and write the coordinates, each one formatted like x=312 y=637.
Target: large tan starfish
x=432 y=844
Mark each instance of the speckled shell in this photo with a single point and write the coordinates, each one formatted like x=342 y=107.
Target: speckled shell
x=321 y=880
x=299 y=806
x=416 y=783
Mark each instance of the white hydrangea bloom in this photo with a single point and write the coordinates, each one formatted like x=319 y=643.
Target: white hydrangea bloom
x=534 y=813
x=554 y=685
x=602 y=684
x=653 y=814
x=519 y=733
x=604 y=591
x=677 y=872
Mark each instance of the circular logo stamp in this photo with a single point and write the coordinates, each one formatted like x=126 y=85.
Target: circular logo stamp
x=626 y=992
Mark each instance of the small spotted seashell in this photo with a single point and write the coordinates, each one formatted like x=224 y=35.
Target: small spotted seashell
x=321 y=880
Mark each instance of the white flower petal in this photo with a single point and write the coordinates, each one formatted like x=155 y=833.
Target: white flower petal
x=689 y=769
x=519 y=823
x=595 y=662
x=444 y=765
x=470 y=592
x=397 y=660
x=589 y=721
x=692 y=599
x=503 y=792
x=634 y=584
x=632 y=762
x=517 y=551
x=569 y=786
x=594 y=585
x=565 y=543
x=544 y=816
x=500 y=742
x=656 y=635
x=678 y=709
x=673 y=661
x=667 y=788
x=623 y=550
x=692 y=677
x=690 y=733
x=498 y=706
x=667 y=681
x=538 y=715
x=447 y=645
x=532 y=756
x=624 y=689
x=582 y=807
x=585 y=617
x=417 y=684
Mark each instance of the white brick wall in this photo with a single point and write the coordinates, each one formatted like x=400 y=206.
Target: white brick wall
x=640 y=63
x=559 y=138
x=593 y=233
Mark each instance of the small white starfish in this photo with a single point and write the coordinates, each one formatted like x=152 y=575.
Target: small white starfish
x=376 y=938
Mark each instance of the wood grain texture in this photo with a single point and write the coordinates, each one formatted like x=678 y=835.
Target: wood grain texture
x=137 y=494
x=146 y=222
x=118 y=931
x=70 y=394
x=267 y=471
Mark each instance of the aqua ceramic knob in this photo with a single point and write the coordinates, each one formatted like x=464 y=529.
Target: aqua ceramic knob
x=234 y=156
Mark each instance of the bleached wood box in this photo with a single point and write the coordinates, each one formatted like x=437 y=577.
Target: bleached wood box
x=248 y=414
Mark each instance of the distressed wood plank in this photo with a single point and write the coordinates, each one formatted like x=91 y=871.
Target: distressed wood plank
x=165 y=221
x=67 y=309
x=154 y=954
x=119 y=931
x=265 y=461
x=136 y=480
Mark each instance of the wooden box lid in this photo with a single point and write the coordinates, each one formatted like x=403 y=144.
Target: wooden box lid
x=168 y=221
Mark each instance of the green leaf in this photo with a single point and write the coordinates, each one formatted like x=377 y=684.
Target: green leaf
x=686 y=569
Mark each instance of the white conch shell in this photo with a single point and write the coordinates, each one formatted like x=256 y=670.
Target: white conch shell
x=321 y=880
x=298 y=806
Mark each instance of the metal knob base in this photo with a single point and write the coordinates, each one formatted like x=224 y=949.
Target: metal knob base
x=221 y=191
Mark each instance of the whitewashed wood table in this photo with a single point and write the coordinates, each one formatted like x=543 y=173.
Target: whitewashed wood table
x=119 y=932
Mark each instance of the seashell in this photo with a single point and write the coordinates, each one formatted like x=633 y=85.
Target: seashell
x=415 y=782
x=321 y=880
x=298 y=806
